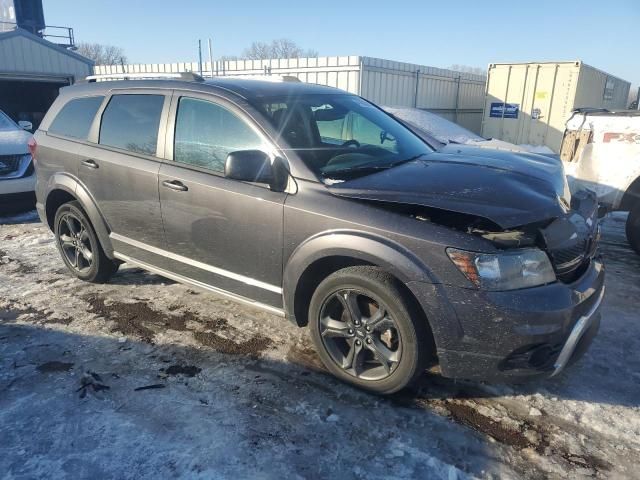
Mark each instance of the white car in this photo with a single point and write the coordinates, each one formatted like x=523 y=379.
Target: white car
x=17 y=176
x=601 y=151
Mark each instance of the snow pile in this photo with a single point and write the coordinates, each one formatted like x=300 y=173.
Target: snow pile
x=447 y=132
x=441 y=129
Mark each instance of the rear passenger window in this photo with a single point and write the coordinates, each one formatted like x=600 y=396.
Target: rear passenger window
x=75 y=118
x=131 y=122
x=206 y=133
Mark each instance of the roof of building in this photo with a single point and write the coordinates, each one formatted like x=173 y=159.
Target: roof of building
x=19 y=32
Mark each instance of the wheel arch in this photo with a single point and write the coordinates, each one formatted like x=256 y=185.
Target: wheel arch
x=65 y=188
x=329 y=252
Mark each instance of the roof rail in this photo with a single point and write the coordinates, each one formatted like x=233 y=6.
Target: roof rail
x=189 y=76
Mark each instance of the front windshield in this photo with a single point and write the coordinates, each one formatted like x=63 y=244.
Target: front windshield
x=6 y=124
x=342 y=135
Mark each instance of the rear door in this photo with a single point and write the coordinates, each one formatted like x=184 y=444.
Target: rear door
x=121 y=170
x=219 y=231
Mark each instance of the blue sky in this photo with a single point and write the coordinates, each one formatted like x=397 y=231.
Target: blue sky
x=604 y=34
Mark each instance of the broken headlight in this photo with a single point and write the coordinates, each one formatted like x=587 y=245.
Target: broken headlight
x=509 y=270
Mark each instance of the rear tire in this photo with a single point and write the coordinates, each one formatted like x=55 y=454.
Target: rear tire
x=79 y=247
x=367 y=331
x=633 y=227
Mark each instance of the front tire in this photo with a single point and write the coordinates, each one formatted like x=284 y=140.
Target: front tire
x=367 y=331
x=633 y=227
x=79 y=246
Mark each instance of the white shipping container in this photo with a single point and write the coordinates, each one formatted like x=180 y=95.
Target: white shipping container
x=456 y=96
x=529 y=103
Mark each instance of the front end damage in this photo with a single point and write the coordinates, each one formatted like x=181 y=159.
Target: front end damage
x=530 y=332
x=570 y=240
x=535 y=282
x=522 y=333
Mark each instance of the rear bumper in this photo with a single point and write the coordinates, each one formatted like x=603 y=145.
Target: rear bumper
x=511 y=336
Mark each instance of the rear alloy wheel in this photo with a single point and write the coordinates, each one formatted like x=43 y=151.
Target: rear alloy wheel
x=74 y=243
x=366 y=331
x=79 y=245
x=633 y=227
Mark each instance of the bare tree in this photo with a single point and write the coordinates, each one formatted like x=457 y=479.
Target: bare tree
x=102 y=54
x=468 y=69
x=279 y=48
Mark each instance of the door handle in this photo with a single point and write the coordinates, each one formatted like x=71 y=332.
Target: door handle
x=176 y=185
x=90 y=163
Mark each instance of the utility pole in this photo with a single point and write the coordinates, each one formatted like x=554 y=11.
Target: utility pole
x=210 y=58
x=200 y=55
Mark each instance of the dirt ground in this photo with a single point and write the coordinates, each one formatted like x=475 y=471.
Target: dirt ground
x=146 y=378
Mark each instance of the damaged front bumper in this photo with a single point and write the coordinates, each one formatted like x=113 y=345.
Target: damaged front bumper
x=514 y=335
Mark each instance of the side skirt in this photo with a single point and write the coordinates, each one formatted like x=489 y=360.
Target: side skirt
x=197 y=284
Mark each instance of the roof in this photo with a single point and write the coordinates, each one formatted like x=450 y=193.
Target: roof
x=576 y=63
x=19 y=32
x=245 y=88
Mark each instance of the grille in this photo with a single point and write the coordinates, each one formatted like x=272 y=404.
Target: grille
x=9 y=163
x=567 y=257
x=571 y=263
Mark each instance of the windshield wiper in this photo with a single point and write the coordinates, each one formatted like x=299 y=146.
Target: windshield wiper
x=371 y=167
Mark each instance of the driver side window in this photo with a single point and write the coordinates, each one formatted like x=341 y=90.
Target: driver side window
x=354 y=126
x=206 y=133
x=365 y=132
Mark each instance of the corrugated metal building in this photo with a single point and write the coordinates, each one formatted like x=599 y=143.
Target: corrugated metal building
x=454 y=95
x=529 y=103
x=32 y=70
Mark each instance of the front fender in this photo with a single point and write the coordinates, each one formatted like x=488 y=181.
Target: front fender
x=73 y=186
x=377 y=250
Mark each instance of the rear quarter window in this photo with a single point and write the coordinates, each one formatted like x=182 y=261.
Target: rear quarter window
x=131 y=122
x=75 y=118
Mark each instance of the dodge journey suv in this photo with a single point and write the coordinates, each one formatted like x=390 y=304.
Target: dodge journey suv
x=316 y=205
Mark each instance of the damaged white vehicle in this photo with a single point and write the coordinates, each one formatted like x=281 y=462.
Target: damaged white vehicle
x=17 y=177
x=601 y=151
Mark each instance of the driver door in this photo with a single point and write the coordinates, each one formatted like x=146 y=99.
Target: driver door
x=222 y=232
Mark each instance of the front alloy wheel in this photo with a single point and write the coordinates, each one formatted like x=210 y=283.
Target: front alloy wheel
x=368 y=331
x=359 y=335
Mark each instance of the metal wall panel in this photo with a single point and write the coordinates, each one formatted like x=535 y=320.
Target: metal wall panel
x=339 y=72
x=545 y=95
x=20 y=55
x=594 y=85
x=458 y=96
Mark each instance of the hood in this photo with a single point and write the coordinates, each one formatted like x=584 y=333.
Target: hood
x=510 y=189
x=14 y=142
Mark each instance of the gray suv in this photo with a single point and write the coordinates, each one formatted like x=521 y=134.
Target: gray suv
x=314 y=204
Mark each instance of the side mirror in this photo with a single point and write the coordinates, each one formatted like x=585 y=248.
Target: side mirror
x=248 y=166
x=25 y=125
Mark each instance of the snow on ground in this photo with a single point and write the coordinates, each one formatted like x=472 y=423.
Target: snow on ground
x=146 y=378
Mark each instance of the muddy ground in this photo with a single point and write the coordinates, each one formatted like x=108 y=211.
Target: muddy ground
x=146 y=378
